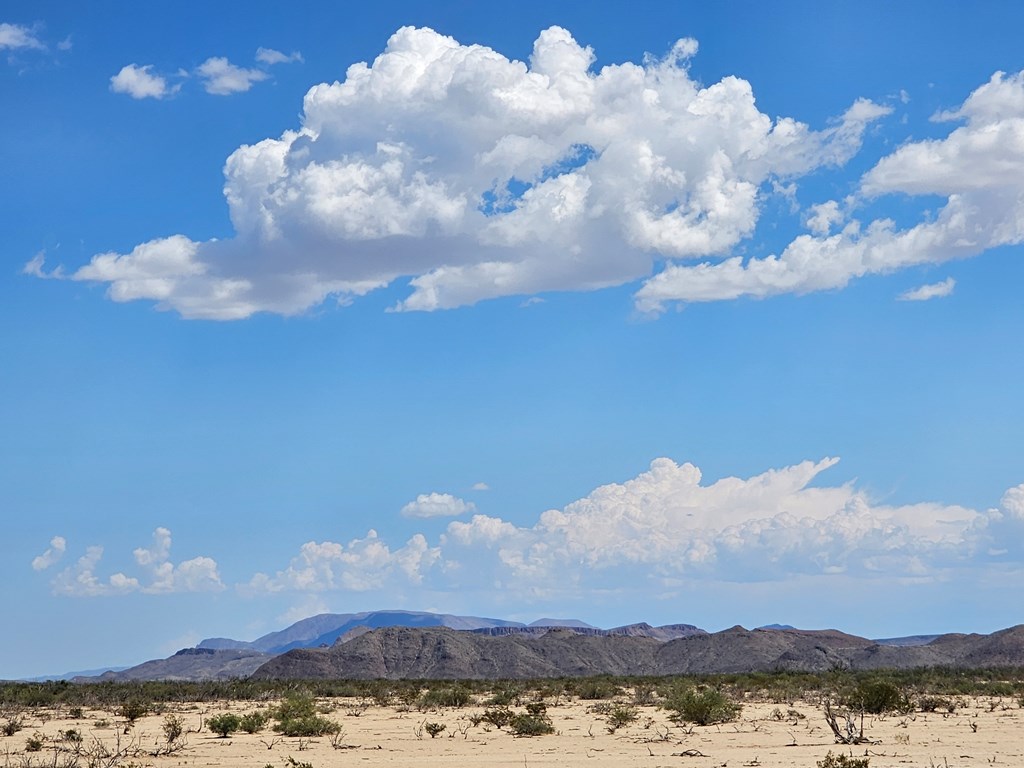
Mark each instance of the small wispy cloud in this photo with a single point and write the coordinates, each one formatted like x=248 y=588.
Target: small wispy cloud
x=270 y=57
x=221 y=78
x=16 y=36
x=437 y=505
x=54 y=552
x=481 y=487
x=930 y=291
x=34 y=267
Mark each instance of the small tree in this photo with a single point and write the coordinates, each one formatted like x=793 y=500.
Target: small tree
x=224 y=724
x=132 y=710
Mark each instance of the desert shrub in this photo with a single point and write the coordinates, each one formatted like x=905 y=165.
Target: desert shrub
x=499 y=717
x=533 y=722
x=434 y=729
x=12 y=725
x=620 y=715
x=842 y=761
x=224 y=724
x=704 y=706
x=297 y=716
x=75 y=713
x=596 y=688
x=70 y=736
x=509 y=695
x=381 y=692
x=253 y=722
x=174 y=728
x=436 y=698
x=34 y=743
x=1000 y=688
x=643 y=694
x=877 y=697
x=132 y=709
x=935 y=703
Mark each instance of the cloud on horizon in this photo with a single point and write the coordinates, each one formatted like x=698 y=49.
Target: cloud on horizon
x=652 y=534
x=159 y=574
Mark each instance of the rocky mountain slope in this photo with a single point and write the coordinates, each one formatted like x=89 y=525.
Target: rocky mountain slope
x=191 y=664
x=438 y=653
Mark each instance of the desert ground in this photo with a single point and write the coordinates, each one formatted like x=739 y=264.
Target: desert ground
x=982 y=731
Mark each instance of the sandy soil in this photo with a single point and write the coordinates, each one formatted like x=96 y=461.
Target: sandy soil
x=982 y=732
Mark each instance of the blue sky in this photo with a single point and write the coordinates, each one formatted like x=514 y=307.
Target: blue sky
x=701 y=313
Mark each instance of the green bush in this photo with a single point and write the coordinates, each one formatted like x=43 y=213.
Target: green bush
x=596 y=688
x=535 y=723
x=34 y=743
x=132 y=709
x=704 y=706
x=297 y=716
x=253 y=722
x=842 y=761
x=619 y=716
x=877 y=697
x=507 y=695
x=499 y=717
x=174 y=727
x=224 y=724
x=935 y=703
x=436 y=698
x=434 y=729
x=12 y=725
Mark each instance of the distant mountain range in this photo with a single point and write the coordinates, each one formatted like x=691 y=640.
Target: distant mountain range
x=326 y=628
x=411 y=644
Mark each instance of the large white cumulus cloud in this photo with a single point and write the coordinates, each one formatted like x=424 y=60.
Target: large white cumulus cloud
x=476 y=176
x=978 y=168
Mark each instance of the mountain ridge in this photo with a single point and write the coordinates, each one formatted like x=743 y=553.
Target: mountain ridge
x=416 y=643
